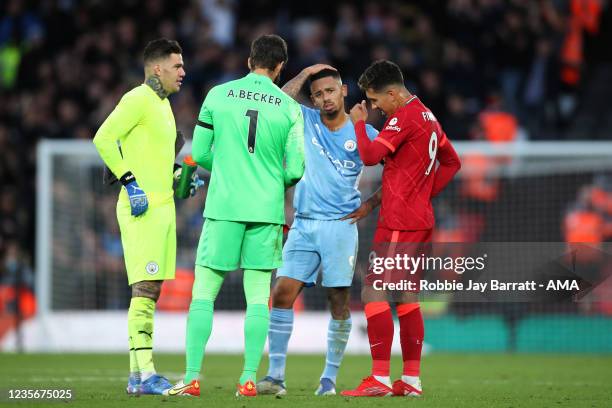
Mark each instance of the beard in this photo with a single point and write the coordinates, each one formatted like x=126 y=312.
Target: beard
x=330 y=114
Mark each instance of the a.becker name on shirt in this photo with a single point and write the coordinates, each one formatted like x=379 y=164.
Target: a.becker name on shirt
x=254 y=96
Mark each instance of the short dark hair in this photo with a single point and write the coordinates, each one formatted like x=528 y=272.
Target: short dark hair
x=379 y=75
x=267 y=51
x=161 y=48
x=324 y=73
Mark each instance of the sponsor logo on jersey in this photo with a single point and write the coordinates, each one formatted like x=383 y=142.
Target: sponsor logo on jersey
x=350 y=145
x=396 y=128
x=392 y=125
x=152 y=268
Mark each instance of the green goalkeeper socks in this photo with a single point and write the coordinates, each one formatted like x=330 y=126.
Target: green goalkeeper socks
x=140 y=330
x=257 y=292
x=199 y=322
x=199 y=326
x=255 y=332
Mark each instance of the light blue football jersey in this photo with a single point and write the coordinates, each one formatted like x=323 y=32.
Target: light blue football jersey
x=329 y=189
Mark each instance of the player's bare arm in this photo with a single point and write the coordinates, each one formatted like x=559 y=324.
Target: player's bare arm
x=365 y=208
x=293 y=87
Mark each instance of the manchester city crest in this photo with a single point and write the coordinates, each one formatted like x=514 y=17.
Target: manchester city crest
x=350 y=145
x=152 y=268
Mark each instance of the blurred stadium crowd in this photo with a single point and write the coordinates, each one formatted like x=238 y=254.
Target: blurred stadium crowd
x=489 y=69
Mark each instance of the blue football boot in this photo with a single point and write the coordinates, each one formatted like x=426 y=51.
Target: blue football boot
x=326 y=387
x=155 y=385
x=133 y=386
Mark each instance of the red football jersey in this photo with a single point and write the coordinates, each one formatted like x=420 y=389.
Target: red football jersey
x=416 y=142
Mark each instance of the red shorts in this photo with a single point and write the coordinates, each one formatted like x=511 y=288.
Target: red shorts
x=387 y=235
x=397 y=245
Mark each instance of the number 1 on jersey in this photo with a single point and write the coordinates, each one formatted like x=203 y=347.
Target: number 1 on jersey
x=252 y=114
x=433 y=149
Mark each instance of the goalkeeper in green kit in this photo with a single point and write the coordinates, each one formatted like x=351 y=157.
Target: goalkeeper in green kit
x=144 y=126
x=245 y=130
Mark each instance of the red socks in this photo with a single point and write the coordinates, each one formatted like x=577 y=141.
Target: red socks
x=380 y=334
x=412 y=332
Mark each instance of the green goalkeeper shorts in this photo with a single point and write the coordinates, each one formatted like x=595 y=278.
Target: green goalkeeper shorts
x=229 y=245
x=149 y=242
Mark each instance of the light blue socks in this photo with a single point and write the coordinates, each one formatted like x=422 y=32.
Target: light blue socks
x=338 y=333
x=281 y=325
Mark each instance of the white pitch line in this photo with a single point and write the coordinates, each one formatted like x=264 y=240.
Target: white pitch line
x=91 y=378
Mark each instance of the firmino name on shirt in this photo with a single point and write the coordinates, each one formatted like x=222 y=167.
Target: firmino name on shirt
x=254 y=96
x=428 y=116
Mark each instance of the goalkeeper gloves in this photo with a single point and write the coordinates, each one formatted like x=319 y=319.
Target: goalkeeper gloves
x=137 y=197
x=196 y=181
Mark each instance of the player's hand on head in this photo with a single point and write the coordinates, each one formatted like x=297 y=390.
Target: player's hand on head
x=363 y=211
x=359 y=112
x=313 y=69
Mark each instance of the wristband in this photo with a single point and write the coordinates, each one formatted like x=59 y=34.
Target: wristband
x=127 y=178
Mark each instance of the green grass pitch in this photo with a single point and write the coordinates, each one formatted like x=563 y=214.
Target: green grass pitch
x=449 y=380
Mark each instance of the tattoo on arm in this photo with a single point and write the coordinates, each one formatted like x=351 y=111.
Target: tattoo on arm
x=155 y=83
x=148 y=289
x=293 y=87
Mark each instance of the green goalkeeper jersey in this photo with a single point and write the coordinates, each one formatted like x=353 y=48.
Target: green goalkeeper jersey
x=246 y=129
x=144 y=125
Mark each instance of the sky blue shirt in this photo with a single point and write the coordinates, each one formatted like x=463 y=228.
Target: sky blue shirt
x=329 y=188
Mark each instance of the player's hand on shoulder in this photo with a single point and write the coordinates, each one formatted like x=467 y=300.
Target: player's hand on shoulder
x=359 y=112
x=363 y=211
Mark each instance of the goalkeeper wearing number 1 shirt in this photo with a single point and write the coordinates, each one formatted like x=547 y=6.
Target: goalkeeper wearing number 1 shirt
x=245 y=130
x=411 y=142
